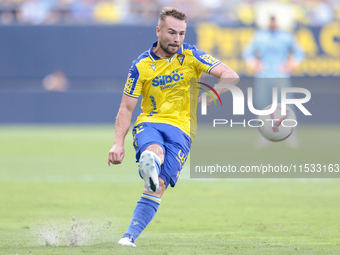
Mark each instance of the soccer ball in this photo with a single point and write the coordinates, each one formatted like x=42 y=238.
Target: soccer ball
x=276 y=127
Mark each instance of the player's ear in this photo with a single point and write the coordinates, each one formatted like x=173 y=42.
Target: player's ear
x=158 y=30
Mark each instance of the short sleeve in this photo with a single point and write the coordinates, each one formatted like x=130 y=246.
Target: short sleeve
x=204 y=61
x=133 y=85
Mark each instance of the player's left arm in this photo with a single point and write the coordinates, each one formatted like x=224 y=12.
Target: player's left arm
x=296 y=57
x=298 y=52
x=226 y=75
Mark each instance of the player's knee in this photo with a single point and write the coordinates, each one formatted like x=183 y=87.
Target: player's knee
x=158 y=150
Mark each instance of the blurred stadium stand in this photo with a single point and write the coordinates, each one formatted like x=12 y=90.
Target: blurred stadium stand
x=145 y=12
x=83 y=49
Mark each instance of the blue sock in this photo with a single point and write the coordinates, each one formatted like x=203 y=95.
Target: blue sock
x=144 y=212
x=158 y=166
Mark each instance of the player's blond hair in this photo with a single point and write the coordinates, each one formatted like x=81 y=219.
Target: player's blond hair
x=173 y=12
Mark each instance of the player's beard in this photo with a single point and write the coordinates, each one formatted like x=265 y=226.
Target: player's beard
x=166 y=49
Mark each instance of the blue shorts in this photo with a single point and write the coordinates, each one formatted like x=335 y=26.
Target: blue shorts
x=175 y=143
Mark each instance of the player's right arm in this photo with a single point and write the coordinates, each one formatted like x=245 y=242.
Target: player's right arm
x=132 y=91
x=294 y=60
x=123 y=122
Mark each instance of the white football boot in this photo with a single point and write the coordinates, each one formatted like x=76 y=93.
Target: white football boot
x=125 y=241
x=147 y=167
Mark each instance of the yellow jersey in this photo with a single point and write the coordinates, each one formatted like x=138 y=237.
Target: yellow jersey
x=164 y=84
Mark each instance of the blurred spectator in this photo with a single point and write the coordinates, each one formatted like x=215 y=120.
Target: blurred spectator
x=210 y=10
x=7 y=12
x=245 y=13
x=108 y=11
x=145 y=12
x=56 y=81
x=82 y=10
x=33 y=12
x=60 y=13
x=323 y=13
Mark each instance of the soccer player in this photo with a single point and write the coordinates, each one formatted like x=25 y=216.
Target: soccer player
x=161 y=133
x=272 y=55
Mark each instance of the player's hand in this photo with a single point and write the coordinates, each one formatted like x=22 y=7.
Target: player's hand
x=209 y=99
x=116 y=154
x=255 y=65
x=289 y=66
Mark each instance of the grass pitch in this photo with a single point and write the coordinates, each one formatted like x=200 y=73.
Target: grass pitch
x=58 y=196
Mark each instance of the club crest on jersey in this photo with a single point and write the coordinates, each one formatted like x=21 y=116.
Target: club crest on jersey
x=153 y=66
x=208 y=58
x=180 y=58
x=167 y=81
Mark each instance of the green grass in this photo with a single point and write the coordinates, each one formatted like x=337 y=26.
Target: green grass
x=53 y=178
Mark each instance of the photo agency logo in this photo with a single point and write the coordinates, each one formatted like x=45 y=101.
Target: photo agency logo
x=270 y=110
x=204 y=98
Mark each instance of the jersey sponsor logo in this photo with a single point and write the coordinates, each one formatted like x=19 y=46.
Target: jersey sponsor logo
x=128 y=84
x=181 y=157
x=167 y=81
x=208 y=58
x=154 y=106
